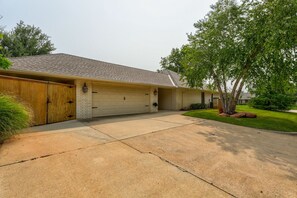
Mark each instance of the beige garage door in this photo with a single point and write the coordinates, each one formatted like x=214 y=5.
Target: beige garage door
x=119 y=100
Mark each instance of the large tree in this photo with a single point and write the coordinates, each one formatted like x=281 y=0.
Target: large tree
x=4 y=62
x=25 y=40
x=274 y=92
x=241 y=43
x=173 y=62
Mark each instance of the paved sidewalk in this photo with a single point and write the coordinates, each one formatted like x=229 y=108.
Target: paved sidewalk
x=293 y=111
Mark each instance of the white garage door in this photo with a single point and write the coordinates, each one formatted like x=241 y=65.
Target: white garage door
x=119 y=100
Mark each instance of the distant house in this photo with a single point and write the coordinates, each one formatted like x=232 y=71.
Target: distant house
x=244 y=98
x=61 y=87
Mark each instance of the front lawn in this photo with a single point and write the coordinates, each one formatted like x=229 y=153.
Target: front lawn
x=278 y=121
x=294 y=107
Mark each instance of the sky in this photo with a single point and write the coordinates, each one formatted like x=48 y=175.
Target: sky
x=134 y=33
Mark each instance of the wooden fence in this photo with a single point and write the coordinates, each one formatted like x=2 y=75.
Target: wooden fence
x=50 y=102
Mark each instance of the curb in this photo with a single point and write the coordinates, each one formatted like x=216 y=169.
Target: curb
x=262 y=130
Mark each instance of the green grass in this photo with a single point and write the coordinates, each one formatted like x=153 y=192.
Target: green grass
x=294 y=107
x=271 y=120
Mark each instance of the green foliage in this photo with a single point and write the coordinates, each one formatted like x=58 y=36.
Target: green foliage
x=4 y=62
x=243 y=43
x=294 y=107
x=272 y=120
x=198 y=106
x=273 y=101
x=276 y=92
x=173 y=62
x=13 y=117
x=25 y=40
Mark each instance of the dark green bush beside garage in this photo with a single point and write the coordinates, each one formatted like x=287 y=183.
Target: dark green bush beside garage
x=198 y=106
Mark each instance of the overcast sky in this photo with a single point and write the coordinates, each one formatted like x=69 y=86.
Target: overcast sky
x=135 y=33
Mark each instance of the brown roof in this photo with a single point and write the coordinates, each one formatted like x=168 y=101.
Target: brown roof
x=179 y=81
x=74 y=66
x=176 y=78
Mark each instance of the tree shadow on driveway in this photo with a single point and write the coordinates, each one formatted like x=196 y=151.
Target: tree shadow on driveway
x=244 y=161
x=275 y=148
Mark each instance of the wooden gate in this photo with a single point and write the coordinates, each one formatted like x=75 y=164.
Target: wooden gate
x=61 y=103
x=50 y=102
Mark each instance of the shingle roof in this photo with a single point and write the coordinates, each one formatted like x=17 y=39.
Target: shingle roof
x=74 y=66
x=176 y=78
x=179 y=81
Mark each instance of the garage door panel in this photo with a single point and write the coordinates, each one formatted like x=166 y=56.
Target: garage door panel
x=111 y=88
x=136 y=100
x=117 y=100
x=125 y=109
x=120 y=111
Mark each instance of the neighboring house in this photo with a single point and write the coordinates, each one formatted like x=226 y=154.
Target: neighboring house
x=61 y=87
x=244 y=98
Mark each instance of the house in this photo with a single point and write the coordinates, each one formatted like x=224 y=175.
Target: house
x=61 y=87
x=244 y=98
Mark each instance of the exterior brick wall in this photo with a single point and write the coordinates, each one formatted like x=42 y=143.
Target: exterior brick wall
x=83 y=100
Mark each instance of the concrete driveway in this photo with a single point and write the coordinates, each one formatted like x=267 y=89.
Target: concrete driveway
x=151 y=155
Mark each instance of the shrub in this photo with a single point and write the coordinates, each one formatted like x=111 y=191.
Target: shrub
x=13 y=117
x=273 y=101
x=198 y=106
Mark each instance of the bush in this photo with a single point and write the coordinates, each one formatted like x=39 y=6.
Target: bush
x=273 y=101
x=198 y=106
x=13 y=117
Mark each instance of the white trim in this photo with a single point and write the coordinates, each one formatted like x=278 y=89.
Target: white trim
x=172 y=81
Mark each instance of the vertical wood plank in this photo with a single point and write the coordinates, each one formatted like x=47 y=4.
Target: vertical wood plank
x=61 y=106
x=31 y=93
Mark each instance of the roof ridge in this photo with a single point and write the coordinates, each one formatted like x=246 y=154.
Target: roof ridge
x=115 y=64
x=172 y=79
x=170 y=73
x=27 y=56
x=91 y=59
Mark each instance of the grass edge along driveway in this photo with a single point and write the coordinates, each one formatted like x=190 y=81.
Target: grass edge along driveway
x=271 y=120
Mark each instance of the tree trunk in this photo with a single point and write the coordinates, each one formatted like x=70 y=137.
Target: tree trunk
x=217 y=81
x=237 y=96
x=229 y=102
x=228 y=108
